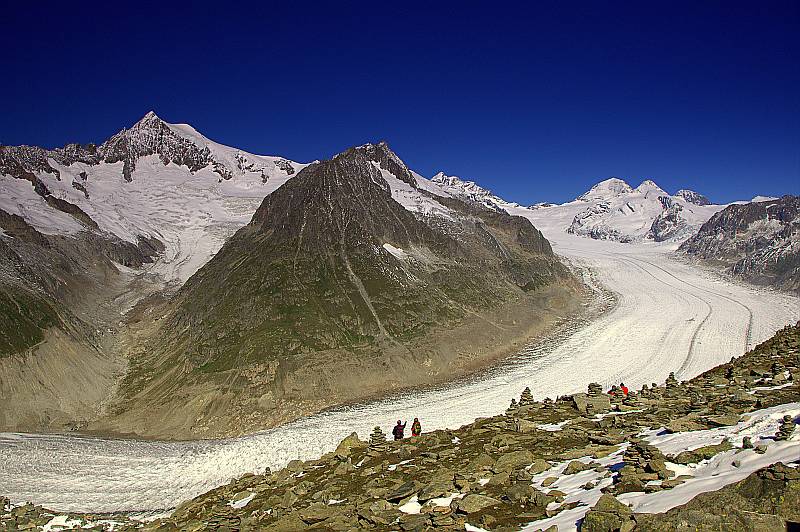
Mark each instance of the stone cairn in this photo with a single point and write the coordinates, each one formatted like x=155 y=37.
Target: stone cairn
x=632 y=399
x=526 y=398
x=377 y=440
x=594 y=389
x=643 y=462
x=777 y=372
x=697 y=399
x=671 y=389
x=512 y=408
x=747 y=442
x=786 y=429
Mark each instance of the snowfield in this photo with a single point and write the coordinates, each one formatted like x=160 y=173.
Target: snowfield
x=656 y=315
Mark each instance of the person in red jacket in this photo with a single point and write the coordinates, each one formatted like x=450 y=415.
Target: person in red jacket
x=623 y=388
x=416 y=427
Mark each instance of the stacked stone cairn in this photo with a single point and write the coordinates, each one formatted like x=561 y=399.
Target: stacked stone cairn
x=377 y=440
x=643 y=463
x=786 y=429
x=526 y=398
x=512 y=408
x=672 y=386
x=631 y=400
x=778 y=375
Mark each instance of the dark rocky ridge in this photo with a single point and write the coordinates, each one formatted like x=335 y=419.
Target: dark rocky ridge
x=693 y=197
x=759 y=241
x=149 y=136
x=509 y=450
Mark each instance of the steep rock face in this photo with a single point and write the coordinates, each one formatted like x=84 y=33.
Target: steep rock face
x=759 y=241
x=334 y=276
x=693 y=197
x=470 y=191
x=669 y=222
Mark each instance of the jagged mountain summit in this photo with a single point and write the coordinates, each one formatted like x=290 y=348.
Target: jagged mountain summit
x=158 y=183
x=352 y=278
x=616 y=211
x=471 y=191
x=693 y=197
x=759 y=241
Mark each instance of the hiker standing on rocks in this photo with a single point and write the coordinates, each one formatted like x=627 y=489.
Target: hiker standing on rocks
x=416 y=427
x=623 y=388
x=398 y=430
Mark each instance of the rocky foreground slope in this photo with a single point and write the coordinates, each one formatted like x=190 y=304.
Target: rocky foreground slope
x=718 y=452
x=757 y=241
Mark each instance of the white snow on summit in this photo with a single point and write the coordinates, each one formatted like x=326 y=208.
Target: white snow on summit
x=191 y=212
x=471 y=191
x=613 y=210
x=606 y=189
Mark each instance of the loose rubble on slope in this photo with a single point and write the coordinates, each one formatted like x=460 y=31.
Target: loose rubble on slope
x=543 y=464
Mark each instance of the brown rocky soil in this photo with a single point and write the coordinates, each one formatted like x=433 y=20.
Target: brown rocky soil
x=489 y=465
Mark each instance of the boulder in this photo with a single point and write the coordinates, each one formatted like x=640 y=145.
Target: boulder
x=608 y=515
x=539 y=466
x=346 y=446
x=474 y=502
x=576 y=467
x=513 y=460
x=585 y=403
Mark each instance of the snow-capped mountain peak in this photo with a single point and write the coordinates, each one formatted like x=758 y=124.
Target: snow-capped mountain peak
x=152 y=180
x=615 y=211
x=693 y=197
x=455 y=186
x=606 y=189
x=648 y=187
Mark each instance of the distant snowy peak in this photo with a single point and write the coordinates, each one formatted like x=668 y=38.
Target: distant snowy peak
x=693 y=197
x=179 y=144
x=152 y=181
x=615 y=211
x=650 y=188
x=183 y=145
x=469 y=190
x=606 y=189
x=759 y=199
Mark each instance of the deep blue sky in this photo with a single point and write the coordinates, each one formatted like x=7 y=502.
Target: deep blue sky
x=536 y=100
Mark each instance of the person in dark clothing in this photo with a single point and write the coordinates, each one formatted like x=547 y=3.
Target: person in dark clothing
x=398 y=430
x=416 y=427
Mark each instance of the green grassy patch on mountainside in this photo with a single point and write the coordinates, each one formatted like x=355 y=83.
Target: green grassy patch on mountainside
x=23 y=319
